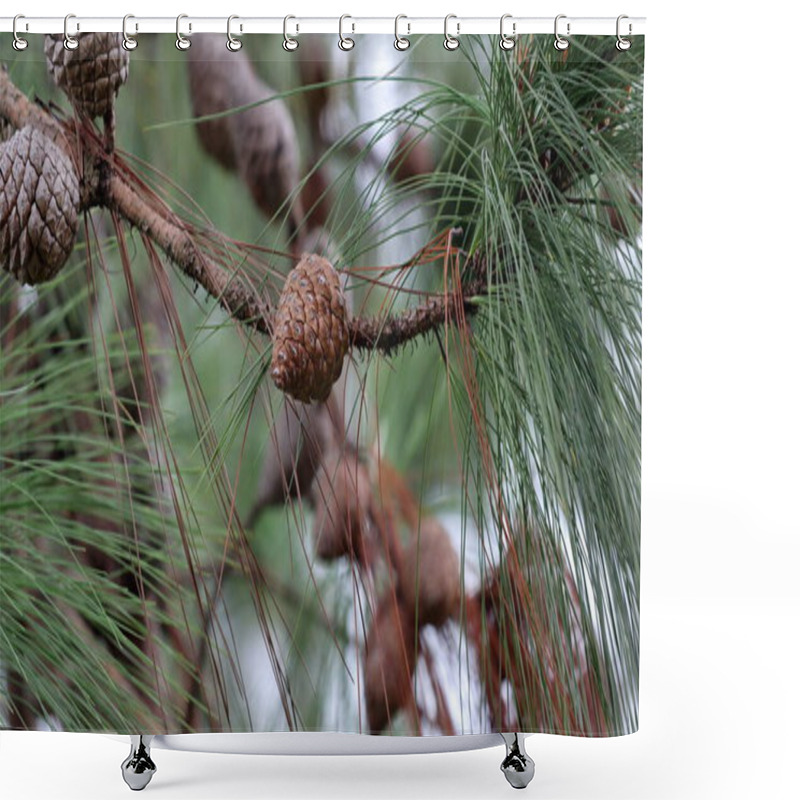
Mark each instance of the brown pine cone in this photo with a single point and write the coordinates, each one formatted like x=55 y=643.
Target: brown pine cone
x=38 y=206
x=390 y=659
x=260 y=143
x=265 y=142
x=214 y=71
x=310 y=337
x=430 y=575
x=92 y=74
x=341 y=495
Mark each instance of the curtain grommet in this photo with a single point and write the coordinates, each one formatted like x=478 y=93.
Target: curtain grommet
x=345 y=42
x=129 y=42
x=560 y=42
x=451 y=42
x=70 y=42
x=19 y=44
x=233 y=44
x=290 y=43
x=400 y=42
x=181 y=42
x=507 y=42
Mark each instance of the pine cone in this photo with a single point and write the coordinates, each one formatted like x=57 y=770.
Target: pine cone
x=341 y=495
x=92 y=74
x=265 y=142
x=310 y=338
x=214 y=71
x=38 y=206
x=390 y=659
x=259 y=143
x=430 y=575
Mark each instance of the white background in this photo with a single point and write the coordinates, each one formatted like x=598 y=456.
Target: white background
x=720 y=536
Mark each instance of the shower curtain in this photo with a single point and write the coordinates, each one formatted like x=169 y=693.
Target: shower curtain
x=320 y=402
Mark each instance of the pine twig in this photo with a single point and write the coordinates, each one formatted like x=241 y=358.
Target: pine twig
x=388 y=333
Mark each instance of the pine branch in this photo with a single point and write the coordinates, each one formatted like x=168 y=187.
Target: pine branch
x=105 y=182
x=240 y=300
x=387 y=334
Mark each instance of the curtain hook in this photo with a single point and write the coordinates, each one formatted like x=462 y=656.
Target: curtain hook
x=70 y=42
x=182 y=43
x=129 y=42
x=451 y=42
x=400 y=42
x=507 y=42
x=560 y=43
x=345 y=42
x=622 y=43
x=290 y=43
x=234 y=44
x=19 y=43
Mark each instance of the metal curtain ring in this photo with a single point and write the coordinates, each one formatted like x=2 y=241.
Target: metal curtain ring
x=290 y=43
x=622 y=43
x=400 y=42
x=19 y=43
x=560 y=43
x=181 y=42
x=451 y=42
x=129 y=42
x=70 y=42
x=507 y=42
x=234 y=44
x=345 y=42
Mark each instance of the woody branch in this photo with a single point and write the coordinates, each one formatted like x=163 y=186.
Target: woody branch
x=105 y=184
